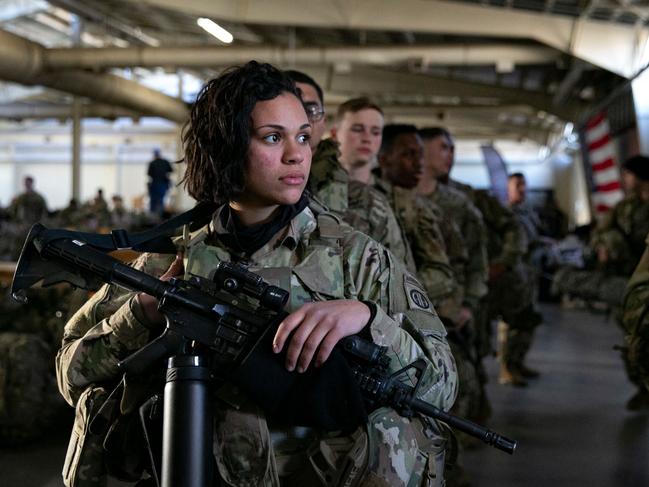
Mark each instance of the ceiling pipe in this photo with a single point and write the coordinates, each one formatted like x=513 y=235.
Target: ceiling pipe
x=19 y=111
x=21 y=61
x=210 y=56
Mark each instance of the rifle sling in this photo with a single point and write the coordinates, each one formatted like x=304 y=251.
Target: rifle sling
x=157 y=239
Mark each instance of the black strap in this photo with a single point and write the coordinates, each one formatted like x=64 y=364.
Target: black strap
x=157 y=239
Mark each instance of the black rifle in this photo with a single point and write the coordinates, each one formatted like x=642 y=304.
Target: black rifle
x=229 y=315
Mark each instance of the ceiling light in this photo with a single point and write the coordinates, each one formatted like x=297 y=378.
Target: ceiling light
x=215 y=29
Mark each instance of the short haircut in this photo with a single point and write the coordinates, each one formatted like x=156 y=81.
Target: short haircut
x=300 y=77
x=638 y=165
x=392 y=131
x=217 y=135
x=356 y=105
x=517 y=175
x=429 y=133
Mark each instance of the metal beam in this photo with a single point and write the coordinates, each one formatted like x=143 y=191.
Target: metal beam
x=21 y=61
x=614 y=47
x=211 y=56
x=375 y=82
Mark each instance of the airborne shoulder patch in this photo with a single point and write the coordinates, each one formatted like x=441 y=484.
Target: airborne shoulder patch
x=416 y=295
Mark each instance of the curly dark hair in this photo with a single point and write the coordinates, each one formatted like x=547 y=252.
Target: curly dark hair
x=217 y=135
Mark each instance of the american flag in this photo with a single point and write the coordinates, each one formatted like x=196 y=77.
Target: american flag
x=606 y=189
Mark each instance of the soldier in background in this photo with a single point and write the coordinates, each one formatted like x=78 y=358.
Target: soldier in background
x=400 y=161
x=357 y=203
x=29 y=206
x=457 y=207
x=158 y=171
x=510 y=296
x=616 y=244
x=635 y=319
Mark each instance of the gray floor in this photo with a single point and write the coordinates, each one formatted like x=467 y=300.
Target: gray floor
x=571 y=423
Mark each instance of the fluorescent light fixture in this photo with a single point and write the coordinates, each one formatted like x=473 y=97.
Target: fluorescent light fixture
x=215 y=29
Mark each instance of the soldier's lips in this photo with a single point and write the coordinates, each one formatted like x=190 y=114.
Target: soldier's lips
x=295 y=179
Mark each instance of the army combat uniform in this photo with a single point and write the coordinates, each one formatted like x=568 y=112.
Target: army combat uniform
x=635 y=319
x=511 y=289
x=316 y=257
x=420 y=223
x=362 y=206
x=28 y=207
x=621 y=233
x=472 y=277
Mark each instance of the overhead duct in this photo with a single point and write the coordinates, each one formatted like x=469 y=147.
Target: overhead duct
x=21 y=61
x=209 y=56
x=19 y=111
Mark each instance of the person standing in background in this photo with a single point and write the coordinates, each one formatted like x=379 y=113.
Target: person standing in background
x=29 y=206
x=158 y=172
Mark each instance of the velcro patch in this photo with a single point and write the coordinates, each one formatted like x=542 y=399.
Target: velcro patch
x=416 y=295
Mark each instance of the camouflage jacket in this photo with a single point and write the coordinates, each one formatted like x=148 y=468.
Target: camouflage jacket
x=28 y=207
x=316 y=258
x=529 y=219
x=362 y=206
x=458 y=208
x=421 y=220
x=506 y=239
x=635 y=317
x=622 y=232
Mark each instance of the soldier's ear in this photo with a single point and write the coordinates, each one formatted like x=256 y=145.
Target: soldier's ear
x=334 y=133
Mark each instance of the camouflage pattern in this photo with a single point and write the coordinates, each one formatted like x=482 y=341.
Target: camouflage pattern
x=511 y=285
x=316 y=258
x=28 y=207
x=405 y=457
x=420 y=220
x=621 y=233
x=635 y=319
x=26 y=387
x=457 y=208
x=29 y=338
x=472 y=277
x=360 y=205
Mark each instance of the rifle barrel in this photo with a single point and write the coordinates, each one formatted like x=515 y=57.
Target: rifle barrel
x=489 y=437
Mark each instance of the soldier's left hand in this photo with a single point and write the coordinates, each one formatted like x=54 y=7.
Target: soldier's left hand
x=316 y=328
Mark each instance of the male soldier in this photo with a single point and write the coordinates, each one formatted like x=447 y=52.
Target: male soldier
x=360 y=205
x=618 y=244
x=473 y=277
x=635 y=319
x=430 y=237
x=400 y=161
x=29 y=206
x=510 y=293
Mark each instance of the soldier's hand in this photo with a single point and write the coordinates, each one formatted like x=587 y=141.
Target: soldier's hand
x=464 y=316
x=316 y=328
x=602 y=254
x=150 y=304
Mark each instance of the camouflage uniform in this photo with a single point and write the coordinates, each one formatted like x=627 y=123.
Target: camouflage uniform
x=362 y=206
x=511 y=290
x=420 y=221
x=316 y=258
x=635 y=319
x=621 y=233
x=29 y=338
x=28 y=207
x=472 y=279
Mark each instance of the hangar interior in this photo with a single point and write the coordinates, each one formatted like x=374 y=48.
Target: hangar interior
x=89 y=88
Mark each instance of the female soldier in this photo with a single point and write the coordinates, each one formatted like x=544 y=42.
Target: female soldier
x=247 y=148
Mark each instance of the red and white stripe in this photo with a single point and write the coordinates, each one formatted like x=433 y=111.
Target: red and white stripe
x=607 y=189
